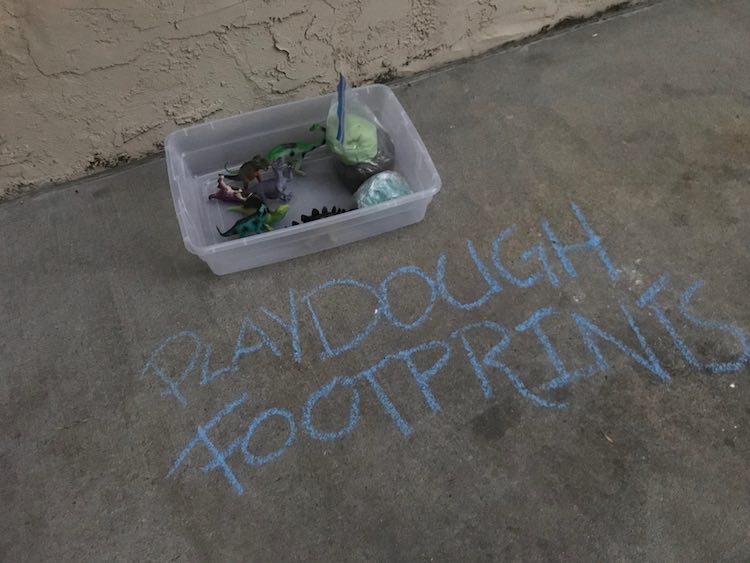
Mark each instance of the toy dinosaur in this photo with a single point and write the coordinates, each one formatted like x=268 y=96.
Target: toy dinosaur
x=293 y=153
x=252 y=225
x=249 y=171
x=284 y=173
x=272 y=217
x=250 y=206
x=225 y=192
x=322 y=214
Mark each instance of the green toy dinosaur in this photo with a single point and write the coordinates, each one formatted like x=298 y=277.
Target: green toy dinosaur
x=272 y=217
x=293 y=153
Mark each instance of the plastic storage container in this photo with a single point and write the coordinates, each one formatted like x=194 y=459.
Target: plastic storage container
x=196 y=155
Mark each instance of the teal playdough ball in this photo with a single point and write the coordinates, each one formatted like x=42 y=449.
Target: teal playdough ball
x=381 y=187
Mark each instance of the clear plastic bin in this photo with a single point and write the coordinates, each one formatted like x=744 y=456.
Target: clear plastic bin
x=196 y=155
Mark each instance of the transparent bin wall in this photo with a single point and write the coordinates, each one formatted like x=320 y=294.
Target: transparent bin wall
x=196 y=156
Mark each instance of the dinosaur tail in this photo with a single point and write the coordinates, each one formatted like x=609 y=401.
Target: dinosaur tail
x=318 y=127
x=321 y=127
x=312 y=146
x=227 y=233
x=232 y=173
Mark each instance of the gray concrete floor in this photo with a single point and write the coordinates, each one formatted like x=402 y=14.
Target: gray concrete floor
x=642 y=120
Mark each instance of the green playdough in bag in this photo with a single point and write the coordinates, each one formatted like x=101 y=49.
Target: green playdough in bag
x=355 y=137
x=360 y=139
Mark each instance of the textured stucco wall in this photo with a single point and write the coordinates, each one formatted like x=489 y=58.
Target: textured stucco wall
x=85 y=84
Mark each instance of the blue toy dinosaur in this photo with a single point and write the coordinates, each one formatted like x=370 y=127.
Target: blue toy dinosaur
x=252 y=225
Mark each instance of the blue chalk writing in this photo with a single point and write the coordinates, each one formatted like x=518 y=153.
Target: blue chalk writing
x=241 y=442
x=493 y=286
x=423 y=377
x=173 y=383
x=492 y=360
x=257 y=421
x=328 y=350
x=292 y=327
x=369 y=376
x=537 y=251
x=388 y=311
x=541 y=254
x=594 y=242
x=207 y=375
x=265 y=342
x=716 y=367
x=218 y=457
x=563 y=376
x=648 y=299
x=489 y=279
x=484 y=382
x=589 y=330
x=322 y=393
x=487 y=368
x=648 y=296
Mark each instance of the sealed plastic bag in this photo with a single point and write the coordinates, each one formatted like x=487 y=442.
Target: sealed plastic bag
x=384 y=186
x=361 y=146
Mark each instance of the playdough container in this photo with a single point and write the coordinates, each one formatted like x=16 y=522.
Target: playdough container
x=196 y=156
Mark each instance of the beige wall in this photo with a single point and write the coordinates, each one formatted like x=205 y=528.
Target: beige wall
x=85 y=84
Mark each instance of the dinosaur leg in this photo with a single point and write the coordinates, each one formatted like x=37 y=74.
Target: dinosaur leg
x=296 y=168
x=284 y=195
